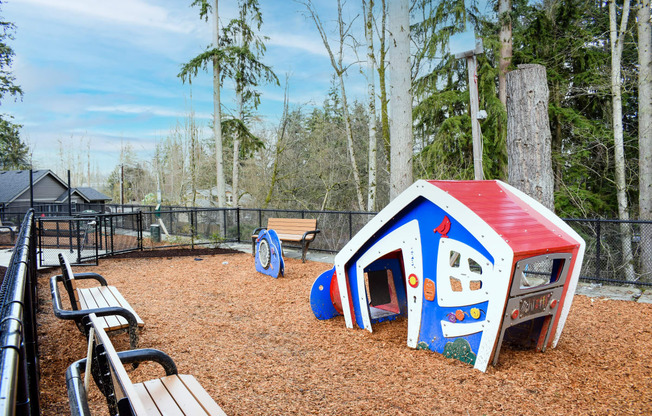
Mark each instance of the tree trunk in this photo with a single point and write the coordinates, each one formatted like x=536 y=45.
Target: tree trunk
x=280 y=146
x=617 y=38
x=382 y=76
x=528 y=133
x=401 y=98
x=217 y=116
x=349 y=140
x=504 y=10
x=193 y=152
x=236 y=151
x=645 y=134
x=371 y=88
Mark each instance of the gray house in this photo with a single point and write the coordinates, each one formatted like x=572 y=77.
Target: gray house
x=50 y=193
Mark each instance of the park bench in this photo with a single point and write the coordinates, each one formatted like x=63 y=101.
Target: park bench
x=296 y=230
x=173 y=394
x=105 y=301
x=9 y=230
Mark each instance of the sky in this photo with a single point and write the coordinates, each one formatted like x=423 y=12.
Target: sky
x=100 y=74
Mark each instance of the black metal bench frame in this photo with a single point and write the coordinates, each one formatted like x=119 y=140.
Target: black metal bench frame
x=77 y=314
x=101 y=372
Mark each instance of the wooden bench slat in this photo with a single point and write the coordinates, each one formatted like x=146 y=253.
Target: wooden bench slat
x=173 y=395
x=104 y=296
x=113 y=322
x=161 y=396
x=293 y=230
x=186 y=401
x=201 y=395
x=148 y=404
x=88 y=300
x=123 y=302
x=107 y=296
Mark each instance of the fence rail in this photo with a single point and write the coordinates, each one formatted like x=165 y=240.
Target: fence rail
x=19 y=370
x=124 y=228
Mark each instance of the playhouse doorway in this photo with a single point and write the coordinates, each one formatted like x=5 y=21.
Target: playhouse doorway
x=384 y=281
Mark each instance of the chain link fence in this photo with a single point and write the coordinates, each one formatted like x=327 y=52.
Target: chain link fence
x=607 y=242
x=123 y=228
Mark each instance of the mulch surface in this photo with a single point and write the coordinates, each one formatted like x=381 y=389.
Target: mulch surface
x=254 y=344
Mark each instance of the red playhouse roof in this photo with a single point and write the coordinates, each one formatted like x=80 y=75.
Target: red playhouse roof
x=523 y=227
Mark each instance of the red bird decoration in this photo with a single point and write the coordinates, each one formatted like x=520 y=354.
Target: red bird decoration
x=444 y=227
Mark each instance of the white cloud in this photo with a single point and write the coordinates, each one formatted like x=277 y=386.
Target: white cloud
x=125 y=12
x=143 y=109
x=296 y=41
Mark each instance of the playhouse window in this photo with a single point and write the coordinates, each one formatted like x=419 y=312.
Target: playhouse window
x=539 y=271
x=474 y=266
x=455 y=259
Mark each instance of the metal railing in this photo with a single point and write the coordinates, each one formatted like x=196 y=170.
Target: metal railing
x=136 y=227
x=19 y=369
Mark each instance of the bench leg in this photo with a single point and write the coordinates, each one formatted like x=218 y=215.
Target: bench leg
x=253 y=246
x=304 y=249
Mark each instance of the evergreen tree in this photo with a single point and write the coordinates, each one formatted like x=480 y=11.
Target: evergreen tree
x=13 y=152
x=443 y=125
x=245 y=48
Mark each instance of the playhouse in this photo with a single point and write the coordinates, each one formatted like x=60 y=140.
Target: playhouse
x=471 y=264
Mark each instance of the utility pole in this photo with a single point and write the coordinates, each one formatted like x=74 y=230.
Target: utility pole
x=471 y=63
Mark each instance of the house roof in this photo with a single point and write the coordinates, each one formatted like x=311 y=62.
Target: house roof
x=92 y=194
x=522 y=226
x=86 y=193
x=14 y=183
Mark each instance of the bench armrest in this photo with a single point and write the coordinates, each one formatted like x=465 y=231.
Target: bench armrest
x=257 y=230
x=307 y=233
x=149 y=355
x=89 y=275
x=77 y=397
x=76 y=392
x=79 y=315
x=7 y=229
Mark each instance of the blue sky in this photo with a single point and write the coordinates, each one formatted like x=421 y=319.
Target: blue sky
x=104 y=72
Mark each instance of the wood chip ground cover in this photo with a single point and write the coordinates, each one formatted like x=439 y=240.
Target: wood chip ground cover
x=254 y=344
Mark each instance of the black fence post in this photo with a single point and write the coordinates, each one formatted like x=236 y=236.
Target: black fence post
x=139 y=221
x=112 y=233
x=238 y=220
x=598 y=245
x=260 y=217
x=40 y=241
x=350 y=225
x=70 y=234
x=192 y=228
x=224 y=222
x=98 y=240
x=78 y=243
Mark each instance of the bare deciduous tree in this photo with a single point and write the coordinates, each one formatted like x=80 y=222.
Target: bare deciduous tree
x=617 y=39
x=645 y=132
x=371 y=90
x=340 y=69
x=401 y=134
